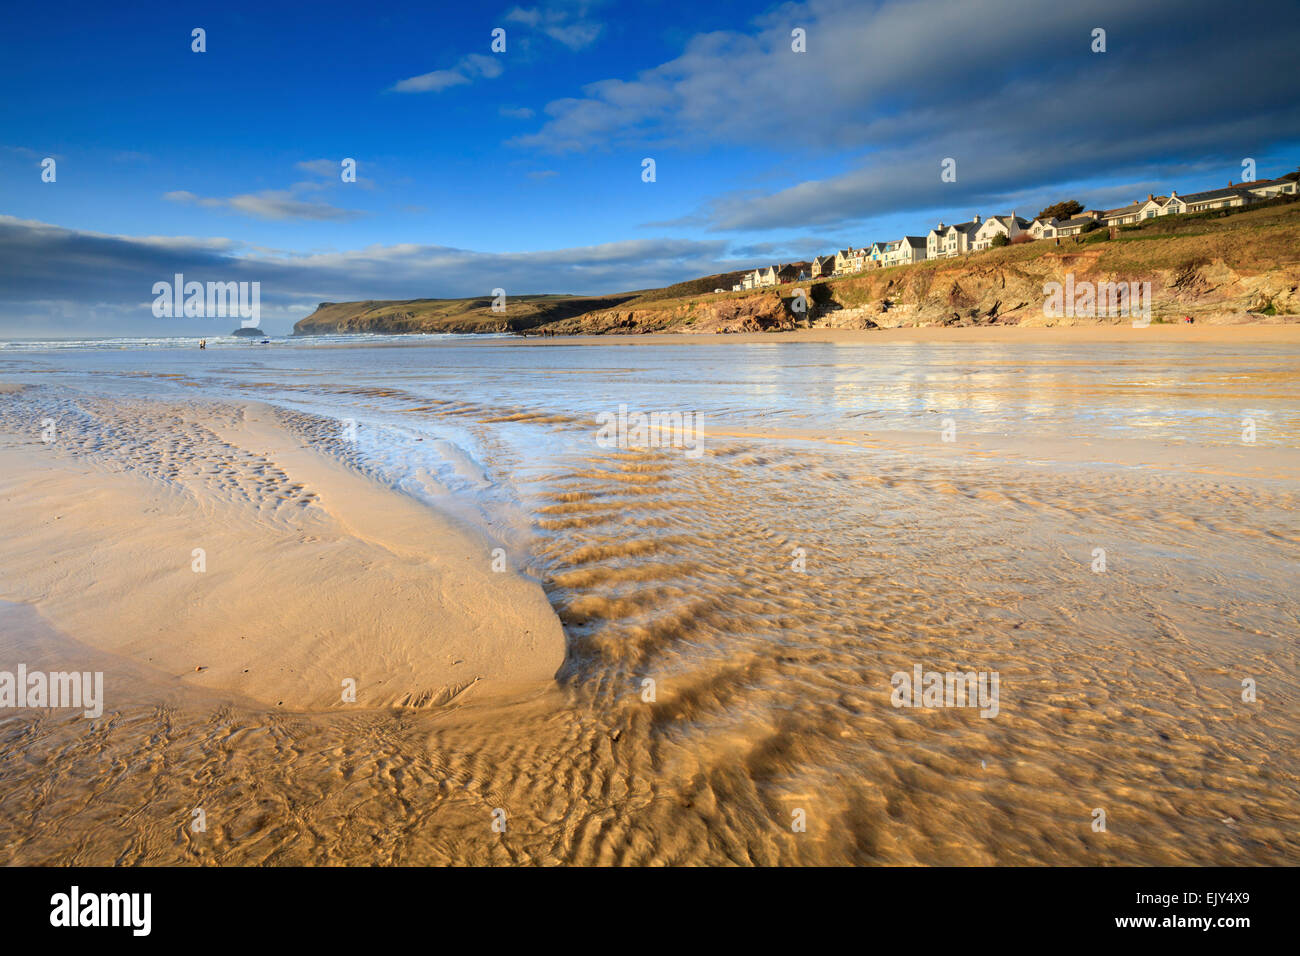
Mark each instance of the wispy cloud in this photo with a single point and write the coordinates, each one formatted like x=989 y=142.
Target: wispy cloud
x=567 y=23
x=471 y=67
x=272 y=204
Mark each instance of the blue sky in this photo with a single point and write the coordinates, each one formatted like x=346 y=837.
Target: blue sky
x=523 y=169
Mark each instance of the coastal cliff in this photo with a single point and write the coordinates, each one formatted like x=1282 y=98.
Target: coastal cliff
x=1244 y=267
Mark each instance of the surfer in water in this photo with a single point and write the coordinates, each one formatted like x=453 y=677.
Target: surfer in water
x=203 y=343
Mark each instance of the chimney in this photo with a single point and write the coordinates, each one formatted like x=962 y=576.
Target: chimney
x=975 y=219
x=1150 y=196
x=1229 y=182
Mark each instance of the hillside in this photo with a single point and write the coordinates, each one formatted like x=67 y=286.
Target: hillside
x=1237 y=267
x=450 y=315
x=522 y=313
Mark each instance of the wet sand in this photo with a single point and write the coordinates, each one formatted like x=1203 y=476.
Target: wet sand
x=1277 y=332
x=769 y=589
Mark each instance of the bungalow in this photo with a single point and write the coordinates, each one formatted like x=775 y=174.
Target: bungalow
x=1271 y=188
x=823 y=266
x=906 y=251
x=1123 y=215
x=1009 y=226
x=1076 y=224
x=1217 y=199
x=944 y=242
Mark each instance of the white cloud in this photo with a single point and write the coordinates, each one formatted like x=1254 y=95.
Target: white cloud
x=272 y=204
x=567 y=23
x=1010 y=88
x=471 y=67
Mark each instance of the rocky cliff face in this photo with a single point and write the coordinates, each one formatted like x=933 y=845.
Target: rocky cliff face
x=753 y=312
x=1243 y=273
x=1013 y=294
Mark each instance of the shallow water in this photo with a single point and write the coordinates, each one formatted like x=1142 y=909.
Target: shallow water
x=826 y=538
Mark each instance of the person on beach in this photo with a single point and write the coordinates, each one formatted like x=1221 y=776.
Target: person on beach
x=203 y=343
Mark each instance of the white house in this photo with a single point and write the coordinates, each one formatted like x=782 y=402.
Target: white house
x=1042 y=228
x=1076 y=224
x=906 y=251
x=1271 y=188
x=1122 y=215
x=944 y=242
x=1217 y=199
x=1009 y=226
x=1173 y=205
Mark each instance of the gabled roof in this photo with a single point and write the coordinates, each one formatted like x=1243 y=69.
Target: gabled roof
x=916 y=242
x=1075 y=221
x=1007 y=220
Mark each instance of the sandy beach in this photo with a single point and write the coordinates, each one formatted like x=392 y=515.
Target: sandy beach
x=274 y=613
x=1163 y=333
x=864 y=503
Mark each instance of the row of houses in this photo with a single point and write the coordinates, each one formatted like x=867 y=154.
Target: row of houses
x=948 y=241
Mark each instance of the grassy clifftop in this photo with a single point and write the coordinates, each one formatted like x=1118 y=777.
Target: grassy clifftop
x=449 y=315
x=522 y=313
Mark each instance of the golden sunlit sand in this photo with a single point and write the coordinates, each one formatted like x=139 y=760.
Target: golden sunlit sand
x=767 y=591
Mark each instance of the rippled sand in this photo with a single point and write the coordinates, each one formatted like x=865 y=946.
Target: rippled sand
x=1119 y=691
